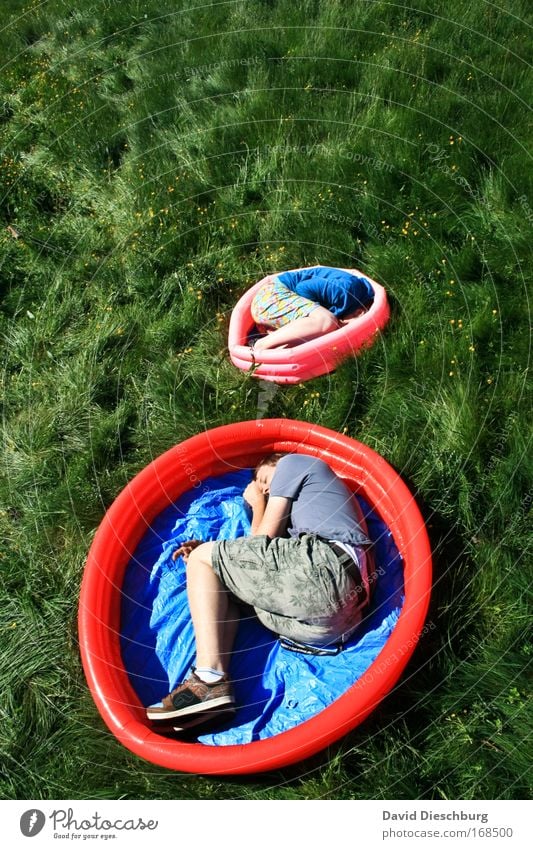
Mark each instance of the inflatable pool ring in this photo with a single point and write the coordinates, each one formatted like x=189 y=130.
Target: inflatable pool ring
x=214 y=452
x=308 y=359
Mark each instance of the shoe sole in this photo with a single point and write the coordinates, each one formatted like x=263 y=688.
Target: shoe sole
x=204 y=718
x=188 y=711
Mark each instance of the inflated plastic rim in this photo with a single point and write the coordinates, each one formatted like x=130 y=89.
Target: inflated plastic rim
x=309 y=359
x=165 y=479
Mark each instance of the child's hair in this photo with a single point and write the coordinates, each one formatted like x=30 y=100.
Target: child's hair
x=269 y=460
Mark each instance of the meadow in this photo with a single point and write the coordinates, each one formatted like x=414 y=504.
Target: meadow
x=155 y=161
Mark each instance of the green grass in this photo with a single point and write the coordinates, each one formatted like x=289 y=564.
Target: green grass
x=156 y=163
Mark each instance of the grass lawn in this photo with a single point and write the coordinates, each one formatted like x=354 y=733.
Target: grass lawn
x=155 y=161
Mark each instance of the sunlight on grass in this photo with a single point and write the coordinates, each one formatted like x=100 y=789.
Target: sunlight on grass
x=154 y=164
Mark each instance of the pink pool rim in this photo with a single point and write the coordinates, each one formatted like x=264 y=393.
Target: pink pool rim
x=309 y=359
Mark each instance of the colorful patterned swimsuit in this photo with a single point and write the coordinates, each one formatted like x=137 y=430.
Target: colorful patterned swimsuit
x=275 y=305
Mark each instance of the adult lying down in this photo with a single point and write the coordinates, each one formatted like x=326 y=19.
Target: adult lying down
x=303 y=569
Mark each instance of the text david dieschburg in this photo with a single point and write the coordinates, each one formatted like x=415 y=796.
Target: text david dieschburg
x=421 y=816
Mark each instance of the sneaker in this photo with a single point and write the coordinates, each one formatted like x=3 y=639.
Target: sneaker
x=193 y=696
x=198 y=723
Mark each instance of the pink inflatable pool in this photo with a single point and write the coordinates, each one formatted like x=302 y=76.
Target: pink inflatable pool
x=308 y=359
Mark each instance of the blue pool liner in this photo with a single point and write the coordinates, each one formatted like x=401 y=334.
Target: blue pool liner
x=275 y=689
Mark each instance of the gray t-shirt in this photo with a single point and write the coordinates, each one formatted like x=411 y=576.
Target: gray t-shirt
x=321 y=503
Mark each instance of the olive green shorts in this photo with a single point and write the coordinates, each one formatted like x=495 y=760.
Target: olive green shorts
x=300 y=588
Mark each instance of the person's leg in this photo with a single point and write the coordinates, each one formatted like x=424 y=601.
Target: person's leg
x=215 y=619
x=214 y=615
x=317 y=323
x=300 y=588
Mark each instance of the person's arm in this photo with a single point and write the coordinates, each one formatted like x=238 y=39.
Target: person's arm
x=275 y=517
x=257 y=501
x=269 y=516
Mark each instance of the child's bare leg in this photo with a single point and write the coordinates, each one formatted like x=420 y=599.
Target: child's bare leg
x=320 y=321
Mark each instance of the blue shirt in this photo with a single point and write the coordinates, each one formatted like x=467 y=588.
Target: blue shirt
x=321 y=503
x=336 y=290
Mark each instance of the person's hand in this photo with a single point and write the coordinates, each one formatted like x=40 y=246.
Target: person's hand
x=185 y=549
x=253 y=495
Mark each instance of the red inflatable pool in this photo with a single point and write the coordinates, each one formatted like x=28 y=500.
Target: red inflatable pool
x=308 y=359
x=161 y=483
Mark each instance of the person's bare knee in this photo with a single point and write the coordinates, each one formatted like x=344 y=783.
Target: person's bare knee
x=199 y=568
x=201 y=554
x=323 y=320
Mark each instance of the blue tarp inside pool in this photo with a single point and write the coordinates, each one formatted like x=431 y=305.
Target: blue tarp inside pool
x=276 y=689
